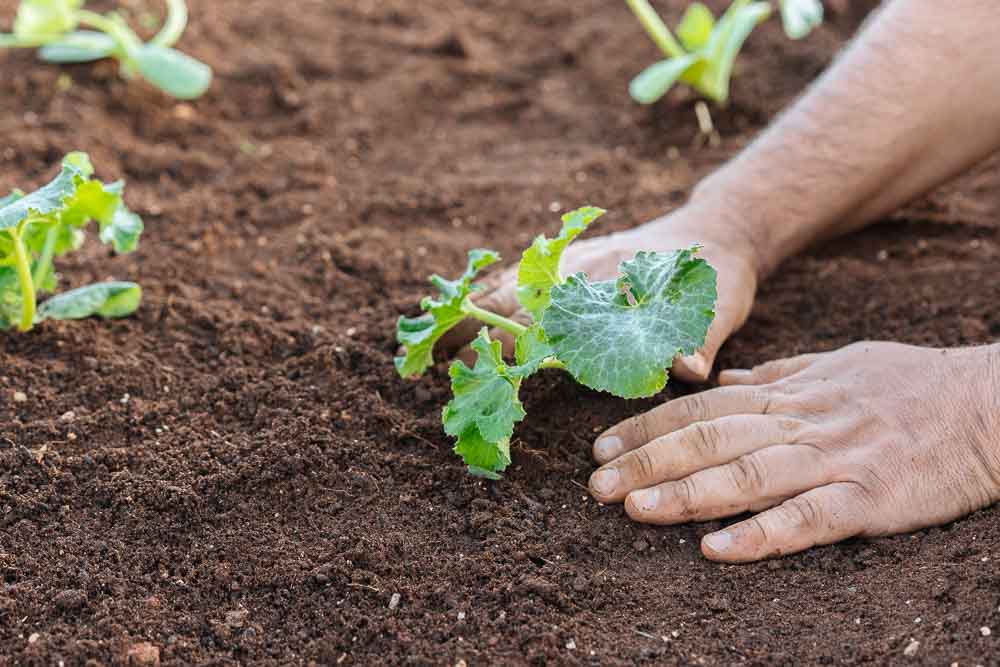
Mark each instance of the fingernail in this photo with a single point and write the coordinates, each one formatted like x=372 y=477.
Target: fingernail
x=608 y=447
x=604 y=481
x=719 y=542
x=645 y=500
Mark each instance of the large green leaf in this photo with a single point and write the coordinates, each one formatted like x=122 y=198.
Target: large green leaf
x=45 y=18
x=695 y=27
x=622 y=336
x=538 y=271
x=46 y=200
x=801 y=17
x=419 y=334
x=174 y=72
x=109 y=300
x=80 y=46
x=485 y=408
x=653 y=82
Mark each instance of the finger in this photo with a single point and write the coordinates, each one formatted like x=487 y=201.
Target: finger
x=757 y=480
x=676 y=414
x=821 y=516
x=772 y=371
x=684 y=452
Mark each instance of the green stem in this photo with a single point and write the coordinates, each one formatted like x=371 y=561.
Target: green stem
x=552 y=362
x=44 y=264
x=492 y=319
x=656 y=28
x=173 y=27
x=23 y=265
x=116 y=30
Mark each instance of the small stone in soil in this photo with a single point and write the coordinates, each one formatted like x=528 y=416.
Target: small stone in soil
x=394 y=601
x=985 y=631
x=571 y=644
x=20 y=397
x=911 y=648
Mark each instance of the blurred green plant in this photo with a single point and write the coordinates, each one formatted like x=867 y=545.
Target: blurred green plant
x=704 y=50
x=52 y=27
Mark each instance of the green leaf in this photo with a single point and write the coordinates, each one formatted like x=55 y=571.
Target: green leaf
x=419 y=334
x=622 y=336
x=43 y=201
x=801 y=17
x=109 y=300
x=719 y=55
x=124 y=230
x=81 y=46
x=174 y=72
x=654 y=81
x=45 y=18
x=485 y=407
x=530 y=349
x=538 y=271
x=696 y=26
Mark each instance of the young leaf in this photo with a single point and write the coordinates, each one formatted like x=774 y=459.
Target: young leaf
x=538 y=271
x=530 y=349
x=485 y=408
x=621 y=336
x=108 y=300
x=123 y=231
x=653 y=82
x=800 y=17
x=727 y=39
x=42 y=201
x=80 y=46
x=695 y=27
x=419 y=334
x=176 y=73
x=45 y=18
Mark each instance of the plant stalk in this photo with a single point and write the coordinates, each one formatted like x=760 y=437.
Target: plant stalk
x=552 y=362
x=656 y=28
x=173 y=27
x=492 y=319
x=116 y=30
x=44 y=264
x=23 y=264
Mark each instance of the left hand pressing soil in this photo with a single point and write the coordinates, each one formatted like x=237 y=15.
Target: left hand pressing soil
x=873 y=439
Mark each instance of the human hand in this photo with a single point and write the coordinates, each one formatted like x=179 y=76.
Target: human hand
x=873 y=439
x=725 y=247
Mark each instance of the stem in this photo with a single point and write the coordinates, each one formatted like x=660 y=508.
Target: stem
x=116 y=30
x=44 y=264
x=173 y=27
x=492 y=319
x=552 y=362
x=23 y=264
x=656 y=28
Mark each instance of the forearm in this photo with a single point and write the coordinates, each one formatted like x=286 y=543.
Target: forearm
x=912 y=103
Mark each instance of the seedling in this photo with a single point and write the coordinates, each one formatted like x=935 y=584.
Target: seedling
x=52 y=26
x=50 y=222
x=619 y=336
x=704 y=50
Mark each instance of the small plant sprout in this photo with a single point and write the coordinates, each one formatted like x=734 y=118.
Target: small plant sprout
x=50 y=222
x=52 y=26
x=619 y=336
x=704 y=51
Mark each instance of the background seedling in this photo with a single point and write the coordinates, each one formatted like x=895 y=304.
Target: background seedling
x=704 y=50
x=619 y=336
x=50 y=222
x=52 y=26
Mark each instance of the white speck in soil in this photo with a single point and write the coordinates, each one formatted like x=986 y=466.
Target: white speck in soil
x=394 y=601
x=911 y=648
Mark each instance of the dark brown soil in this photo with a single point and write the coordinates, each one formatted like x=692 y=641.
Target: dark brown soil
x=237 y=476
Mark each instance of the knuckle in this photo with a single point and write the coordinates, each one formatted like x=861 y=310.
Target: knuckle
x=703 y=439
x=748 y=474
x=694 y=407
x=643 y=464
x=639 y=426
x=803 y=512
x=687 y=497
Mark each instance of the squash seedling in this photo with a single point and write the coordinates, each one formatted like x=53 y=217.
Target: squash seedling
x=704 y=51
x=619 y=336
x=52 y=27
x=50 y=222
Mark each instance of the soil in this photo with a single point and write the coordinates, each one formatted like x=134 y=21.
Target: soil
x=236 y=475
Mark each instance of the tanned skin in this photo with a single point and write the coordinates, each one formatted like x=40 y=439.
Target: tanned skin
x=875 y=438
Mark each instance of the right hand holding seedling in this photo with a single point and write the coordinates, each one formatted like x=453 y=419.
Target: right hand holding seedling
x=725 y=247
